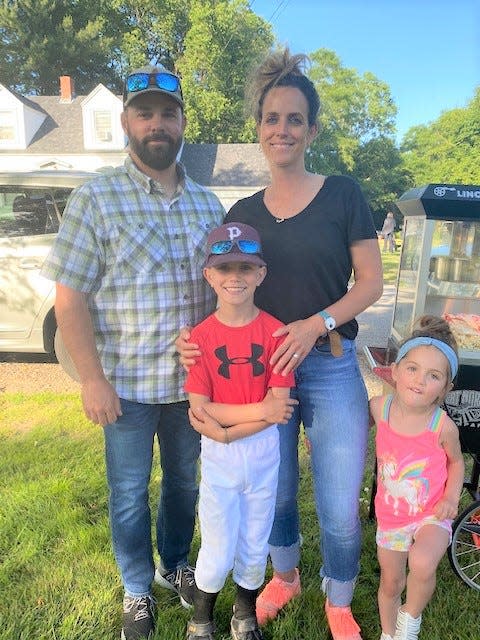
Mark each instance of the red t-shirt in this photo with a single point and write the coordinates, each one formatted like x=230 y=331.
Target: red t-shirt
x=234 y=367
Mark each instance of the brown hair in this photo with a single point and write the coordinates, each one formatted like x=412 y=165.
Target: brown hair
x=434 y=327
x=281 y=69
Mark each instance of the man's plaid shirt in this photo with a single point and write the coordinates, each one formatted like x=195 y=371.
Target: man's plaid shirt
x=139 y=257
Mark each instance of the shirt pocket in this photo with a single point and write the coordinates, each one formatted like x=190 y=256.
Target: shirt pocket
x=139 y=249
x=197 y=243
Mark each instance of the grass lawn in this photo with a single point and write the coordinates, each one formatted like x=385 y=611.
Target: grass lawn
x=390 y=262
x=58 y=578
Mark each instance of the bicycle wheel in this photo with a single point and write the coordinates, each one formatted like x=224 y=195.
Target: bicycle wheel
x=464 y=552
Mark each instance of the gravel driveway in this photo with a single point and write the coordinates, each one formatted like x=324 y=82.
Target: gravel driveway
x=33 y=374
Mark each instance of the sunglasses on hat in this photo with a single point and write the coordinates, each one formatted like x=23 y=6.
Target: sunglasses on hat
x=164 y=81
x=225 y=246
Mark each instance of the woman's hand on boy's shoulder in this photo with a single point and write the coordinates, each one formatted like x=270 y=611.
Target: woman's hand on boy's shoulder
x=300 y=336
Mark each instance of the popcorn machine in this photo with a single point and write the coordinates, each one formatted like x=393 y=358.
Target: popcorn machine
x=439 y=272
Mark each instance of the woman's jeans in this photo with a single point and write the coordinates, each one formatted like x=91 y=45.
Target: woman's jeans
x=129 y=453
x=333 y=407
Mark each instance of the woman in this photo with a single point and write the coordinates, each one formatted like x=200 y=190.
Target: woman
x=314 y=231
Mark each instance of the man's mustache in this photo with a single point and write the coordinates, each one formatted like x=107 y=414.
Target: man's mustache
x=158 y=137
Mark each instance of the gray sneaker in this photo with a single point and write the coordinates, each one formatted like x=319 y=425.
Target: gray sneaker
x=200 y=630
x=181 y=580
x=138 y=617
x=245 y=629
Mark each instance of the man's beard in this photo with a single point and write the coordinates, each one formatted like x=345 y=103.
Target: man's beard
x=157 y=158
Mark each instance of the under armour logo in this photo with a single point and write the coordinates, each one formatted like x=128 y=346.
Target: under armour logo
x=224 y=368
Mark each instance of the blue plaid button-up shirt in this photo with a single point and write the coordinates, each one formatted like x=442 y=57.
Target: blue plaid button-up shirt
x=138 y=256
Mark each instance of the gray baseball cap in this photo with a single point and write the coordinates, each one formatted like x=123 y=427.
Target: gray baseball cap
x=152 y=79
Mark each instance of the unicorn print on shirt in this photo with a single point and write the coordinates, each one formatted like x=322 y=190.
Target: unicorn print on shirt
x=404 y=481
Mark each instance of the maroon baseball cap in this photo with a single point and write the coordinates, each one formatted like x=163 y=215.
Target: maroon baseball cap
x=234 y=242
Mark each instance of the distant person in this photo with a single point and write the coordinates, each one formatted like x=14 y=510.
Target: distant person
x=235 y=402
x=388 y=233
x=420 y=476
x=316 y=231
x=127 y=262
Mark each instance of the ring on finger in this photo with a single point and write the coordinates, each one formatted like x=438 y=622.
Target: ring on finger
x=295 y=355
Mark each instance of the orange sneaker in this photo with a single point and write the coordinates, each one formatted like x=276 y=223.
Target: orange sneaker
x=275 y=596
x=342 y=623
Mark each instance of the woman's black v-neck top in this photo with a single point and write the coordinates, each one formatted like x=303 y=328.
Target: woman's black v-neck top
x=308 y=256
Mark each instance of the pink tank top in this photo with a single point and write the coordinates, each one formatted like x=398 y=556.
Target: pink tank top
x=412 y=471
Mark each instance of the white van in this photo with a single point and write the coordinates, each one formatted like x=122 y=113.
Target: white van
x=31 y=206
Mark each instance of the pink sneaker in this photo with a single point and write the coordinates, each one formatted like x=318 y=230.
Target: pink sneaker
x=342 y=623
x=275 y=596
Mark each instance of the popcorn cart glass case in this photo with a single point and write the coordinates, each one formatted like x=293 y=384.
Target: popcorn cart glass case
x=439 y=270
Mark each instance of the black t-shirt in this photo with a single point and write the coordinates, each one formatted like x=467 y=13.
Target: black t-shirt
x=308 y=257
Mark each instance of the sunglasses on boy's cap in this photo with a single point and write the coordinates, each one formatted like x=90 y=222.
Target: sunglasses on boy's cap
x=151 y=80
x=234 y=242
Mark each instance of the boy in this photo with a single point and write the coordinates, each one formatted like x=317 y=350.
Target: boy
x=235 y=402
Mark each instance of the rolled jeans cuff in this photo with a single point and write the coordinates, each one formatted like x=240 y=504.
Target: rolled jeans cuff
x=339 y=594
x=285 y=559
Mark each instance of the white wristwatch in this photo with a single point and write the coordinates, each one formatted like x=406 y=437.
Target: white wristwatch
x=330 y=322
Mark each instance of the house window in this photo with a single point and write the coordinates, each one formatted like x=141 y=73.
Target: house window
x=102 y=124
x=7 y=125
x=101 y=120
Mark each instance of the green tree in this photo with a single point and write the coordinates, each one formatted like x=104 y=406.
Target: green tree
x=151 y=31
x=41 y=40
x=381 y=172
x=355 y=109
x=357 y=125
x=447 y=150
x=211 y=43
x=224 y=39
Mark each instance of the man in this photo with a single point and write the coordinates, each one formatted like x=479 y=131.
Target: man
x=128 y=266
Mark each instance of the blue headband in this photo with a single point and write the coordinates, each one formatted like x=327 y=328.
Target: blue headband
x=447 y=351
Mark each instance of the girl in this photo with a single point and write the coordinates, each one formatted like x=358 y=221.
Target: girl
x=420 y=476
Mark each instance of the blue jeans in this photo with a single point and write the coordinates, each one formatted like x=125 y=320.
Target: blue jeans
x=129 y=453
x=333 y=407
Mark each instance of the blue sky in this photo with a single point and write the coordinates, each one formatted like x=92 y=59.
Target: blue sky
x=427 y=51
